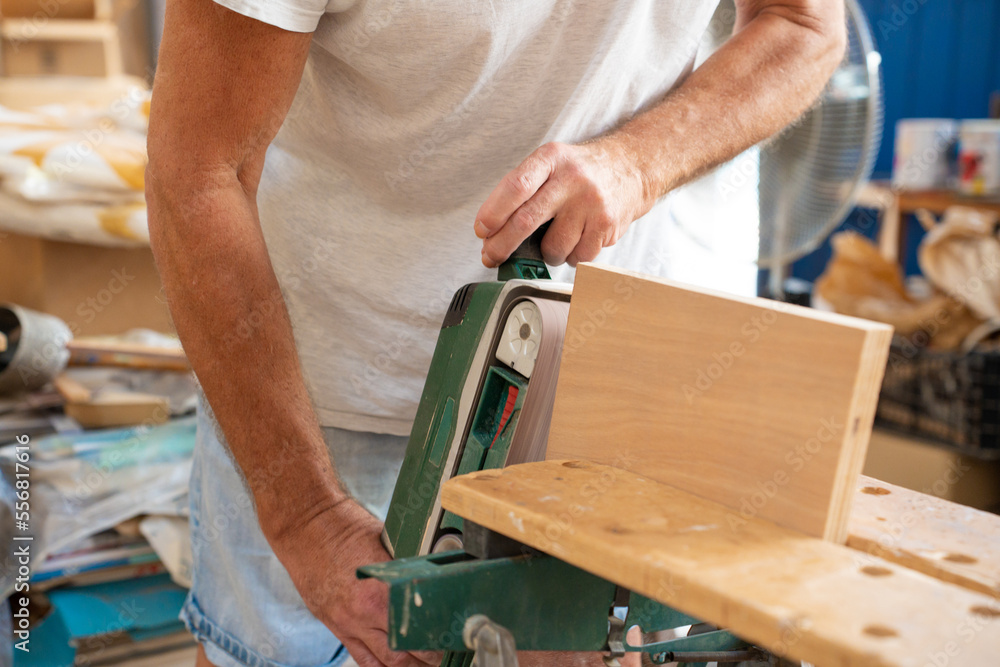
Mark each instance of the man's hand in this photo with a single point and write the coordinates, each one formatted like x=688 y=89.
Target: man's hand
x=321 y=556
x=593 y=190
x=763 y=78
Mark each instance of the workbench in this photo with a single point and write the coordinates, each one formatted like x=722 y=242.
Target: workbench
x=799 y=597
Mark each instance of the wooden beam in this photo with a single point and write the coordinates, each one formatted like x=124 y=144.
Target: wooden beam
x=57 y=30
x=96 y=352
x=762 y=406
x=797 y=596
x=72 y=391
x=942 y=539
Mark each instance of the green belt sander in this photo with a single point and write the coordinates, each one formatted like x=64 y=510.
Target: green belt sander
x=476 y=392
x=486 y=403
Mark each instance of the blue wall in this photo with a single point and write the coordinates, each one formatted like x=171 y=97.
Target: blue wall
x=940 y=59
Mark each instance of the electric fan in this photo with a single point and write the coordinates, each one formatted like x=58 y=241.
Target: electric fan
x=808 y=177
x=811 y=174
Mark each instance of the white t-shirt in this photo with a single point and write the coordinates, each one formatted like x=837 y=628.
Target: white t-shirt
x=408 y=115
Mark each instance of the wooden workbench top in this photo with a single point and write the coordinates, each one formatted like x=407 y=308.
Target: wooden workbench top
x=798 y=596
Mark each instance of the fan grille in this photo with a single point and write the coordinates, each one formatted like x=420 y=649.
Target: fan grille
x=811 y=173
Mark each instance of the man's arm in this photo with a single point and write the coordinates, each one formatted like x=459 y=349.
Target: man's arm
x=223 y=86
x=763 y=78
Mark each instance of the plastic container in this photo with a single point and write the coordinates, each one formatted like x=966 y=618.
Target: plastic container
x=924 y=153
x=979 y=157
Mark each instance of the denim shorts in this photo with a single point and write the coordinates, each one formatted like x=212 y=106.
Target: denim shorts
x=243 y=607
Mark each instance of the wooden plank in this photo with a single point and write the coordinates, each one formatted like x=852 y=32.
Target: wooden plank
x=96 y=352
x=798 y=596
x=880 y=195
x=762 y=406
x=945 y=540
x=62 y=9
x=72 y=391
x=111 y=409
x=23 y=30
x=938 y=201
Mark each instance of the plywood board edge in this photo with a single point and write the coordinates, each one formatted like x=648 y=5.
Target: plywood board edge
x=861 y=420
x=779 y=306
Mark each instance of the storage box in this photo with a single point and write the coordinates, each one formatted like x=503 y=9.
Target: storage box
x=42 y=58
x=95 y=290
x=947 y=397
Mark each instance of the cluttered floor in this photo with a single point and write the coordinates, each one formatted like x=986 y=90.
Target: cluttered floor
x=105 y=460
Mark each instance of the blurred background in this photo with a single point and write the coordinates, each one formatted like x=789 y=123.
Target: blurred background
x=882 y=202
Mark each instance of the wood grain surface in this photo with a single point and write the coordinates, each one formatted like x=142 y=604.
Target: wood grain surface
x=798 y=596
x=762 y=406
x=945 y=540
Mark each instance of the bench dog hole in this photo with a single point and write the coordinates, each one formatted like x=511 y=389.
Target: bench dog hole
x=876 y=571
x=880 y=631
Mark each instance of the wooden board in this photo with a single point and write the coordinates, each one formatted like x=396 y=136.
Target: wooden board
x=945 y=540
x=798 y=596
x=928 y=468
x=762 y=406
x=111 y=409
x=98 y=352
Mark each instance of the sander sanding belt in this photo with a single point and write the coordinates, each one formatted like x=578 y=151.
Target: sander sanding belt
x=532 y=432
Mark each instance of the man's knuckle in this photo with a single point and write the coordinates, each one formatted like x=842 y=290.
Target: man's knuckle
x=520 y=184
x=596 y=202
x=573 y=170
x=522 y=222
x=550 y=152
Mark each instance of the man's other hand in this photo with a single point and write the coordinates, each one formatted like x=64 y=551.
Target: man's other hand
x=593 y=190
x=321 y=555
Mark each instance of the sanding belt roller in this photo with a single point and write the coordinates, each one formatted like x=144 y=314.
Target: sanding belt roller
x=487 y=403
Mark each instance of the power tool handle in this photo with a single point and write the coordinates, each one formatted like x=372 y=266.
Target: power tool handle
x=526 y=262
x=531 y=247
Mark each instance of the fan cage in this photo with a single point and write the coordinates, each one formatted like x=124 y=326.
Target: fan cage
x=811 y=174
